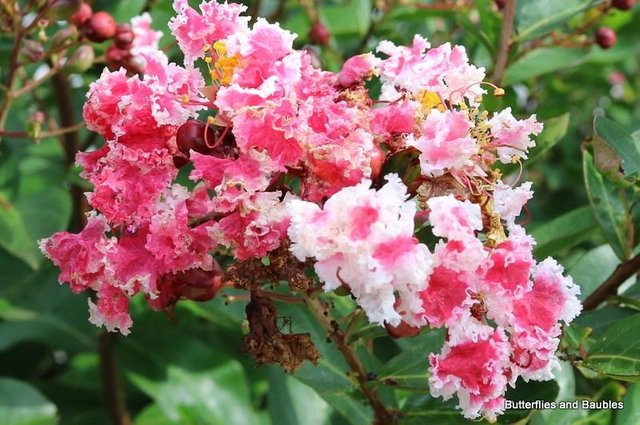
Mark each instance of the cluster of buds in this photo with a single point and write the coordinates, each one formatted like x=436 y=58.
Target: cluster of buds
x=99 y=27
x=307 y=160
x=606 y=37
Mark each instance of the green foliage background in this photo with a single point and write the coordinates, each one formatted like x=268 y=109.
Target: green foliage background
x=191 y=371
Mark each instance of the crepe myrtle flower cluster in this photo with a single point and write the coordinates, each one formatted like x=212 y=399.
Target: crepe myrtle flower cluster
x=293 y=154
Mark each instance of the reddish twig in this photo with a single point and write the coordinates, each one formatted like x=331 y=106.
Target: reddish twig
x=111 y=380
x=504 y=45
x=382 y=415
x=609 y=287
x=42 y=134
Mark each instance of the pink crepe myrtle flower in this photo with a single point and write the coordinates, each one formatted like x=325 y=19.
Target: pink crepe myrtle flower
x=445 y=143
x=475 y=371
x=80 y=257
x=257 y=227
x=194 y=30
x=128 y=182
x=441 y=70
x=454 y=219
x=233 y=180
x=512 y=136
x=111 y=311
x=118 y=105
x=508 y=202
x=175 y=244
x=145 y=37
x=357 y=69
x=350 y=238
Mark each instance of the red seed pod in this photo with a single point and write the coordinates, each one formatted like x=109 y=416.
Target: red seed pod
x=81 y=15
x=403 y=330
x=191 y=136
x=319 y=34
x=378 y=158
x=500 y=4
x=623 y=4
x=100 y=27
x=606 y=37
x=124 y=36
x=116 y=57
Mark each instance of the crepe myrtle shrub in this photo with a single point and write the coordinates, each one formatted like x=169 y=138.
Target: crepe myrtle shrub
x=305 y=167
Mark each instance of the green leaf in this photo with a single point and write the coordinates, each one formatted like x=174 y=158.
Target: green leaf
x=14 y=236
x=536 y=18
x=554 y=130
x=409 y=369
x=617 y=352
x=564 y=231
x=593 y=268
x=290 y=401
x=542 y=61
x=630 y=415
x=21 y=404
x=610 y=210
x=348 y=18
x=617 y=137
x=331 y=377
x=219 y=396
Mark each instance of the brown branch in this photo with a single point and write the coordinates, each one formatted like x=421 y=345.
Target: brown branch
x=70 y=143
x=504 y=44
x=254 y=12
x=609 y=287
x=42 y=134
x=382 y=415
x=112 y=386
x=11 y=74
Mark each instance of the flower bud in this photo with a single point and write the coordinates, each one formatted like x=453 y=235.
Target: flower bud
x=403 y=330
x=32 y=50
x=124 y=36
x=63 y=9
x=606 y=37
x=100 y=27
x=81 y=60
x=623 y=4
x=63 y=38
x=115 y=57
x=319 y=34
x=83 y=13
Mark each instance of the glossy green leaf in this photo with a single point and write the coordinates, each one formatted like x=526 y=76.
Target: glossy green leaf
x=617 y=352
x=564 y=231
x=21 y=404
x=614 y=135
x=591 y=270
x=542 y=61
x=536 y=18
x=347 y=18
x=331 y=378
x=610 y=210
x=14 y=236
x=409 y=369
x=218 y=396
x=554 y=130
x=630 y=415
x=290 y=401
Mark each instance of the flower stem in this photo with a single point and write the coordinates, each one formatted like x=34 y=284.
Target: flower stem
x=382 y=415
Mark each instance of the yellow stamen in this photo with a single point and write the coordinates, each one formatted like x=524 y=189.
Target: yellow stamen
x=430 y=100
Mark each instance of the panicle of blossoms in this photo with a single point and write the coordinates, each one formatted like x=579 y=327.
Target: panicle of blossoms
x=290 y=154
